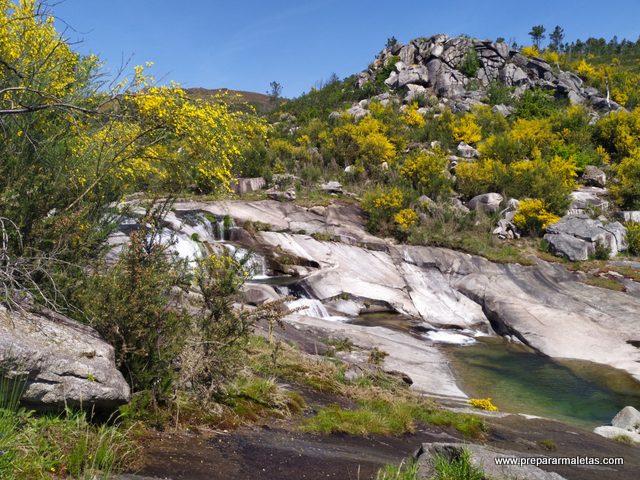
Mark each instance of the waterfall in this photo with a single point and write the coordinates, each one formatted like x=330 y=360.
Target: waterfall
x=219 y=233
x=309 y=307
x=447 y=336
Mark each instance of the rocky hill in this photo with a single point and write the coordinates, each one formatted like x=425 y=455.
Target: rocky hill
x=458 y=71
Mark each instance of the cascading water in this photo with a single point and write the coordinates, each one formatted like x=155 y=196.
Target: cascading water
x=311 y=307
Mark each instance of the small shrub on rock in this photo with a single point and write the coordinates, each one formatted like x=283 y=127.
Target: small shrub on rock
x=533 y=216
x=633 y=237
x=483 y=404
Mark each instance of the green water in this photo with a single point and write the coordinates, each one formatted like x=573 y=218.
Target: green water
x=520 y=380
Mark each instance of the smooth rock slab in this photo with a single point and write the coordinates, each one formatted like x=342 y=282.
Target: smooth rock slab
x=65 y=362
x=616 y=432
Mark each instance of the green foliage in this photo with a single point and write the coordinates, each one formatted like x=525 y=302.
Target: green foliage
x=459 y=467
x=448 y=227
x=626 y=191
x=404 y=471
x=427 y=173
x=537 y=34
x=134 y=307
x=470 y=63
x=536 y=103
x=633 y=237
x=389 y=417
x=533 y=216
x=48 y=446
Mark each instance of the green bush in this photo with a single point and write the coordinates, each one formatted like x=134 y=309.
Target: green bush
x=470 y=63
x=633 y=237
x=135 y=308
x=536 y=103
x=499 y=94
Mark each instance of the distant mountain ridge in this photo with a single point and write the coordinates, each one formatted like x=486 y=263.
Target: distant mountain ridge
x=262 y=102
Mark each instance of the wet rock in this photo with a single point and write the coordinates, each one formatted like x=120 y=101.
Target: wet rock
x=258 y=293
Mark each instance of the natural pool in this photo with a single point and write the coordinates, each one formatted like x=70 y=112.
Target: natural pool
x=521 y=380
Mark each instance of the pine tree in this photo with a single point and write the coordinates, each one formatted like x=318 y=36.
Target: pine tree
x=556 y=38
x=537 y=35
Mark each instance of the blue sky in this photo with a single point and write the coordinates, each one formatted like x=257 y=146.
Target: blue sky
x=246 y=44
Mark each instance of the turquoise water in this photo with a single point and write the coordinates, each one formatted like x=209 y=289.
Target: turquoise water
x=520 y=380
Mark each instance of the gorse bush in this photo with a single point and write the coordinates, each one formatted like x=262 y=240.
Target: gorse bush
x=533 y=217
x=136 y=306
x=633 y=237
x=427 y=173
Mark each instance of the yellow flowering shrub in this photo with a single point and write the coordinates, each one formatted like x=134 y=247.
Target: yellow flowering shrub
x=626 y=191
x=412 y=118
x=427 y=172
x=406 y=218
x=533 y=216
x=552 y=57
x=533 y=134
x=466 y=129
x=531 y=51
x=31 y=47
x=483 y=404
x=486 y=175
x=584 y=68
x=619 y=132
x=551 y=180
x=364 y=143
x=382 y=204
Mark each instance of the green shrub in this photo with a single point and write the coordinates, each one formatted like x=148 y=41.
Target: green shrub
x=427 y=172
x=389 y=417
x=404 y=471
x=535 y=103
x=135 y=308
x=499 y=94
x=633 y=237
x=457 y=467
x=470 y=63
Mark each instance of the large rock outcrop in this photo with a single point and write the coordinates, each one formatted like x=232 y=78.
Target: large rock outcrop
x=62 y=362
x=544 y=306
x=437 y=63
x=577 y=237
